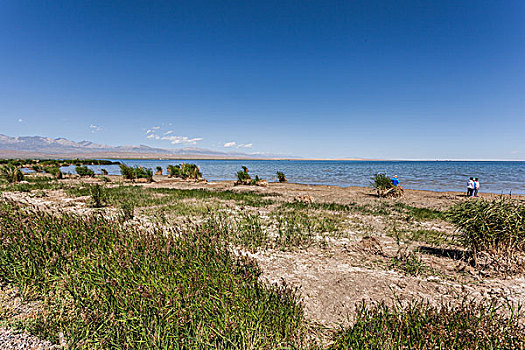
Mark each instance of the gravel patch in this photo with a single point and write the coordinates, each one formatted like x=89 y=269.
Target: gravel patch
x=10 y=340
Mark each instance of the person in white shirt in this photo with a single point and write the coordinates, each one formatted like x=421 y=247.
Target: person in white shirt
x=470 y=187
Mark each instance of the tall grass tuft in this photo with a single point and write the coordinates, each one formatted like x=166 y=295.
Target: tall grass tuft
x=84 y=171
x=496 y=226
x=467 y=325
x=132 y=173
x=11 y=173
x=281 y=177
x=185 y=171
x=112 y=286
x=98 y=196
x=55 y=171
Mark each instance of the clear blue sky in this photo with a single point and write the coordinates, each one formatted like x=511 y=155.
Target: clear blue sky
x=376 y=79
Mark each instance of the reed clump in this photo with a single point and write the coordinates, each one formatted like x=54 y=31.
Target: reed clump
x=133 y=173
x=109 y=285
x=419 y=325
x=185 y=171
x=494 y=226
x=11 y=173
x=281 y=177
x=84 y=171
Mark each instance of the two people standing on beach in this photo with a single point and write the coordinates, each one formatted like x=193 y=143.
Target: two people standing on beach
x=472 y=187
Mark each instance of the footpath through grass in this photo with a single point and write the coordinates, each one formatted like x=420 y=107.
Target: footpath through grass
x=111 y=286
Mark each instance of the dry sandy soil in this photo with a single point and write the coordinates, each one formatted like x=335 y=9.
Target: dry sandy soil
x=357 y=266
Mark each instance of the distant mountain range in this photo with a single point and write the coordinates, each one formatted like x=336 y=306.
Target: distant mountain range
x=46 y=147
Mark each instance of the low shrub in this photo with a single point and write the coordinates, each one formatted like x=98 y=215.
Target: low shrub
x=185 y=171
x=84 y=171
x=143 y=173
x=98 y=196
x=132 y=173
x=11 y=173
x=243 y=177
x=55 y=171
x=381 y=182
x=127 y=172
x=36 y=168
x=496 y=226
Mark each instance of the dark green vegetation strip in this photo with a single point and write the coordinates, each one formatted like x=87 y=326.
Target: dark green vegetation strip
x=141 y=196
x=468 y=325
x=381 y=209
x=107 y=286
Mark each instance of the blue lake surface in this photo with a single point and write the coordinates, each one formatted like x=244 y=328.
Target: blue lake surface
x=495 y=176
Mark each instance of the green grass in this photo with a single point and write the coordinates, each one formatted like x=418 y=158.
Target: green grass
x=35 y=183
x=410 y=263
x=496 y=226
x=418 y=213
x=419 y=325
x=143 y=197
x=381 y=208
x=108 y=286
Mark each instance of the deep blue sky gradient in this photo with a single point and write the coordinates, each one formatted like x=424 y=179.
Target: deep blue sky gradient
x=375 y=79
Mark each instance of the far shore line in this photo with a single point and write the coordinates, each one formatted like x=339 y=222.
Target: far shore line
x=7 y=154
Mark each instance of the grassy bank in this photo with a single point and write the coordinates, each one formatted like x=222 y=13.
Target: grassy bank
x=110 y=286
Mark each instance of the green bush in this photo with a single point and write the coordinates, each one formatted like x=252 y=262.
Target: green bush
x=185 y=171
x=243 y=176
x=281 y=177
x=11 y=173
x=496 y=226
x=98 y=196
x=131 y=173
x=112 y=286
x=466 y=325
x=36 y=168
x=381 y=182
x=127 y=172
x=55 y=171
x=84 y=171
x=143 y=173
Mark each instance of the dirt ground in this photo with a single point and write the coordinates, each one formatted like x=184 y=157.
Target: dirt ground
x=333 y=278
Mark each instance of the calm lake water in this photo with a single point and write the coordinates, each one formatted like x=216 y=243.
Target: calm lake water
x=495 y=177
